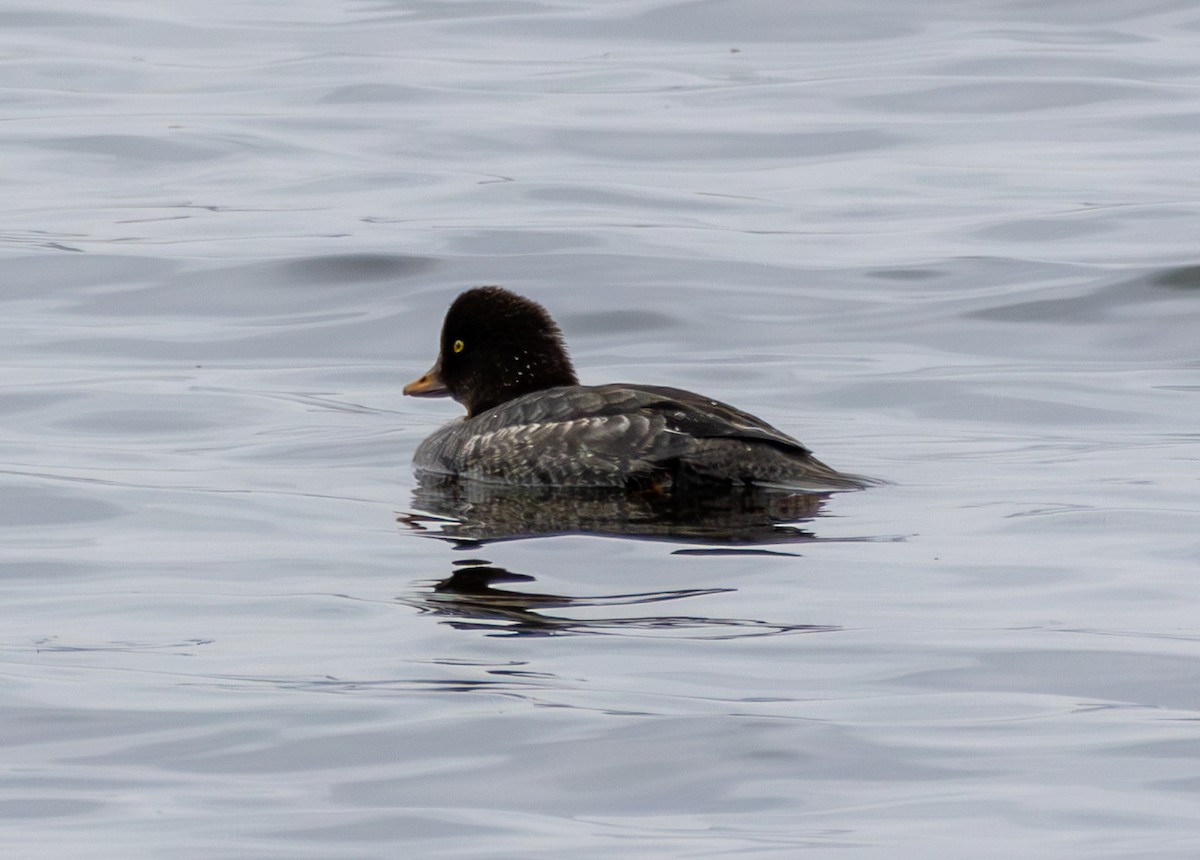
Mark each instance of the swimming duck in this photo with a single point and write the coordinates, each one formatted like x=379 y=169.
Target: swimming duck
x=529 y=421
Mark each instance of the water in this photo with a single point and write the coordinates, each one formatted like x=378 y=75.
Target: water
x=953 y=247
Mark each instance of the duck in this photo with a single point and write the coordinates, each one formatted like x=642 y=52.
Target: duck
x=530 y=423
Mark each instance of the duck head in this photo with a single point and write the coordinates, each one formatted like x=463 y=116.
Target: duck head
x=495 y=345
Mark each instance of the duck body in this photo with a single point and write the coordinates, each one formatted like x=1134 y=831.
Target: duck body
x=498 y=350
x=623 y=436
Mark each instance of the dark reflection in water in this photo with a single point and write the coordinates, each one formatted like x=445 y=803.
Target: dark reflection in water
x=469 y=514
x=480 y=596
x=470 y=600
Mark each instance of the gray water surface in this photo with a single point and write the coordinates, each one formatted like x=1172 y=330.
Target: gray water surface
x=954 y=247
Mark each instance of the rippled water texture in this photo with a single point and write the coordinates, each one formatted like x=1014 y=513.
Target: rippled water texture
x=950 y=245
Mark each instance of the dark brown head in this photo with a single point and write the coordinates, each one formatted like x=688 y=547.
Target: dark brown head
x=495 y=346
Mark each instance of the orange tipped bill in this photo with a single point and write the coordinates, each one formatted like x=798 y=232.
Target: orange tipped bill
x=429 y=385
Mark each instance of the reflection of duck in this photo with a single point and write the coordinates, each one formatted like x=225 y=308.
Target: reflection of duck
x=470 y=600
x=530 y=422
x=480 y=512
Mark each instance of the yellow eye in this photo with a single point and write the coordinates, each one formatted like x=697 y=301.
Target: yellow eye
x=458 y=346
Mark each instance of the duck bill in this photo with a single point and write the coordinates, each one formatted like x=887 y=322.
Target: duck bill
x=429 y=385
